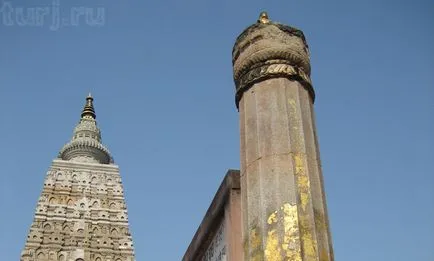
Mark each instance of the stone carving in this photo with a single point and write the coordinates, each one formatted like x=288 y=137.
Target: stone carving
x=85 y=145
x=76 y=217
x=285 y=214
x=63 y=219
x=268 y=50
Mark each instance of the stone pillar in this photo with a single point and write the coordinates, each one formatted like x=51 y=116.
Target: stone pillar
x=283 y=202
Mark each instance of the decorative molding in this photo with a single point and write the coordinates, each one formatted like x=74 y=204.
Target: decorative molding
x=85 y=145
x=269 y=70
x=80 y=209
x=270 y=50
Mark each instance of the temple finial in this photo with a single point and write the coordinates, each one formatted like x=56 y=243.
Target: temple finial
x=263 y=18
x=85 y=145
x=88 y=109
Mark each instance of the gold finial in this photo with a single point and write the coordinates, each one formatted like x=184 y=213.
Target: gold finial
x=263 y=18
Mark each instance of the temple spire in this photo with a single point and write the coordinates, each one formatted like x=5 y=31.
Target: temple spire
x=81 y=213
x=85 y=144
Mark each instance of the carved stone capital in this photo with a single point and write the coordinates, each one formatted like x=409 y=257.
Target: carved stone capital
x=270 y=50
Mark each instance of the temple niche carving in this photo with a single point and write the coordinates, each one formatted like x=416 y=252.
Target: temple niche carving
x=81 y=214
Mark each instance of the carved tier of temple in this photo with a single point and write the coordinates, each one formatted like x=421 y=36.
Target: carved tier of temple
x=283 y=200
x=85 y=145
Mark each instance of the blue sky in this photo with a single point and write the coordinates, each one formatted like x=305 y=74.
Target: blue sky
x=161 y=75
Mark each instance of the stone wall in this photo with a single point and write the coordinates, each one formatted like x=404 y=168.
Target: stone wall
x=218 y=237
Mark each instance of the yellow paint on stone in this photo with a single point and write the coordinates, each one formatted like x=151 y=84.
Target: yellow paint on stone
x=255 y=239
x=299 y=164
x=291 y=238
x=309 y=246
x=304 y=198
x=324 y=256
x=320 y=222
x=272 y=218
x=272 y=249
x=307 y=228
x=298 y=243
x=255 y=252
x=302 y=180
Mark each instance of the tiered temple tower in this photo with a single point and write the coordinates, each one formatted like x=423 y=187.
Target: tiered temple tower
x=282 y=195
x=81 y=214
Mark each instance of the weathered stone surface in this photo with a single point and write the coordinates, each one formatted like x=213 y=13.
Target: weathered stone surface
x=283 y=201
x=270 y=50
x=81 y=214
x=218 y=237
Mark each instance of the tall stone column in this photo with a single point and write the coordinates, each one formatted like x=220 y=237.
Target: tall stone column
x=283 y=202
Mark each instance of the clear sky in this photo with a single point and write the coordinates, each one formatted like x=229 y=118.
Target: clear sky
x=161 y=75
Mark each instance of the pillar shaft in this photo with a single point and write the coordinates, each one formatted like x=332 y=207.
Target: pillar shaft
x=283 y=201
